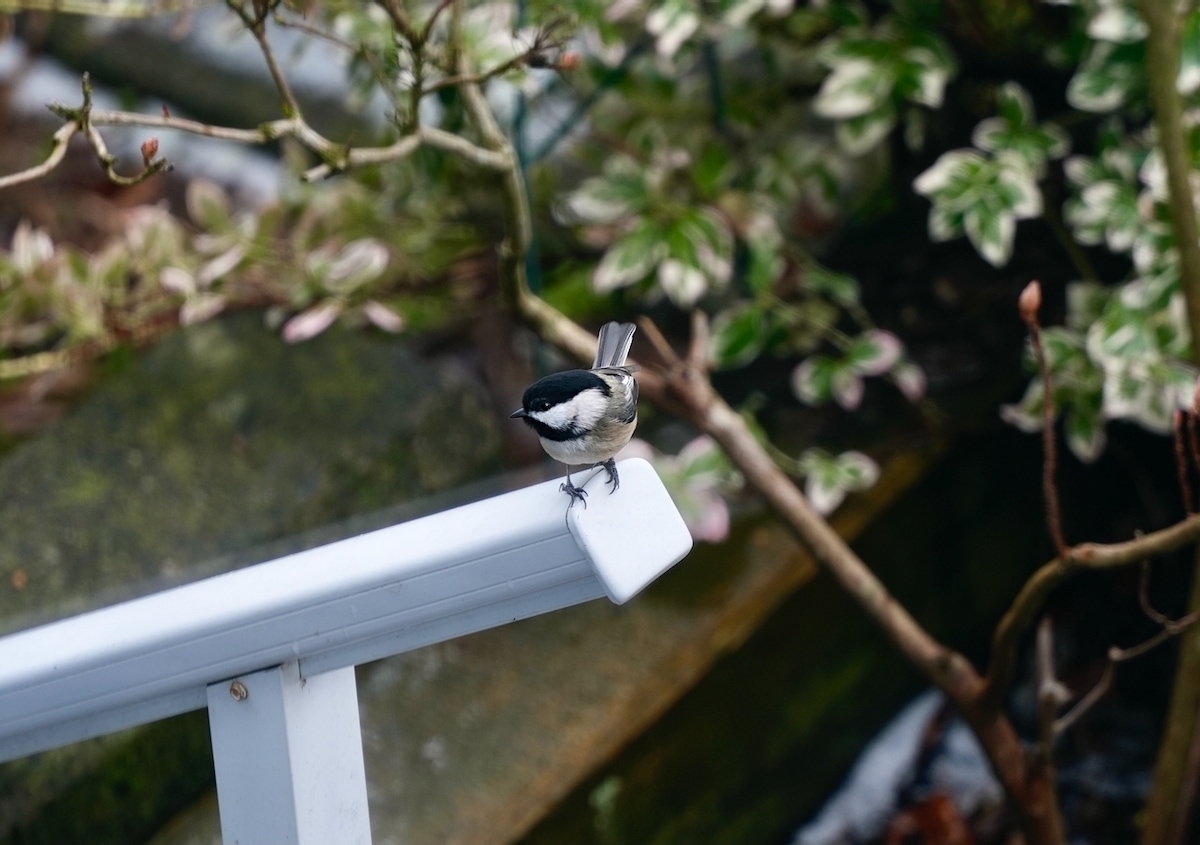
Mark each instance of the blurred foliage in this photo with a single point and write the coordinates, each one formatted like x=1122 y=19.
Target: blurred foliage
x=679 y=143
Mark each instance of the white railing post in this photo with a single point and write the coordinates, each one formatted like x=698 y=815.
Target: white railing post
x=289 y=759
x=284 y=637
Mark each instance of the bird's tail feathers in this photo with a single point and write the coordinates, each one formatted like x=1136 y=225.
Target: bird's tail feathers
x=612 y=345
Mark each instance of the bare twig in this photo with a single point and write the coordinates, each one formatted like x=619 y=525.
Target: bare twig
x=255 y=21
x=1083 y=556
x=1144 y=596
x=360 y=50
x=401 y=21
x=82 y=119
x=427 y=29
x=1029 y=304
x=263 y=134
x=481 y=77
x=1051 y=694
x=109 y=161
x=62 y=138
x=657 y=340
x=1119 y=655
x=1171 y=628
x=1187 y=792
x=1181 y=463
x=335 y=157
x=1084 y=704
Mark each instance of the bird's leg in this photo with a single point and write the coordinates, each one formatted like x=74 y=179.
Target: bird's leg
x=576 y=493
x=611 y=466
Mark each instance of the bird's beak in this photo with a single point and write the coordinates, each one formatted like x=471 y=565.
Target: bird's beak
x=520 y=412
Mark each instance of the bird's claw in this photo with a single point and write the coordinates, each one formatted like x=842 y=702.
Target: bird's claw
x=577 y=494
x=611 y=466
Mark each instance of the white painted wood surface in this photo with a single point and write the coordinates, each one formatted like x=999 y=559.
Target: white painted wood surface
x=289 y=759
x=445 y=575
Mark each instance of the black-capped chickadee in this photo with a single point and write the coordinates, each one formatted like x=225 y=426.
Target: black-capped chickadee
x=587 y=416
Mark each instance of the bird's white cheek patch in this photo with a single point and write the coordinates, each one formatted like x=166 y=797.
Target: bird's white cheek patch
x=582 y=411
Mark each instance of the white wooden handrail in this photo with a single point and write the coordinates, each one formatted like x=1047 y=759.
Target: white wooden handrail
x=329 y=608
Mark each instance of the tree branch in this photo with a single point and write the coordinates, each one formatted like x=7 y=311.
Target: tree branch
x=1162 y=67
x=256 y=24
x=1039 y=586
x=336 y=157
x=1165 y=805
x=62 y=138
x=1064 y=722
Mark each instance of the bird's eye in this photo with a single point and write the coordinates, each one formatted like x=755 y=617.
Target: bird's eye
x=541 y=405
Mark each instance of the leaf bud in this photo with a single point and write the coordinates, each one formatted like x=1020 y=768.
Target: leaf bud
x=1030 y=301
x=149 y=150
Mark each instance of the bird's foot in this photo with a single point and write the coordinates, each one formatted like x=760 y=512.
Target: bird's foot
x=577 y=494
x=613 y=479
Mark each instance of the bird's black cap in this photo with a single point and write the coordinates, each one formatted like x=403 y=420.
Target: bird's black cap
x=557 y=388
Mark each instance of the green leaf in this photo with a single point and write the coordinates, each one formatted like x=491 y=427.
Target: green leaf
x=111 y=266
x=738 y=335
x=861 y=134
x=1026 y=415
x=1116 y=22
x=873 y=352
x=1108 y=77
x=763 y=266
x=1014 y=105
x=208 y=206
x=619 y=192
x=1014 y=132
x=358 y=263
x=846 y=386
x=220 y=266
x=1106 y=212
x=812 y=380
x=829 y=478
x=630 y=258
x=672 y=23
x=855 y=87
x=30 y=247
x=951 y=178
x=706 y=243
x=910 y=379
x=923 y=76
x=983 y=197
x=1085 y=303
x=1085 y=434
x=1189 y=54
x=1060 y=346
x=824 y=492
x=857 y=471
x=991 y=233
x=711 y=169
x=944 y=223
x=683 y=283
